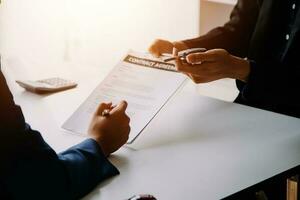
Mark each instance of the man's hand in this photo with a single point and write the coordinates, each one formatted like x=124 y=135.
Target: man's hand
x=213 y=65
x=159 y=47
x=112 y=131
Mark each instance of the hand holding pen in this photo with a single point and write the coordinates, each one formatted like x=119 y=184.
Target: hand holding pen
x=211 y=65
x=110 y=126
x=106 y=112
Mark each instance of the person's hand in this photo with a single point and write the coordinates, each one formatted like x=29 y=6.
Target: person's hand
x=112 y=131
x=159 y=47
x=213 y=65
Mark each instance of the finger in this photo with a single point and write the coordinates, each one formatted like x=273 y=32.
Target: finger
x=125 y=137
x=160 y=46
x=113 y=106
x=102 y=107
x=127 y=119
x=207 y=56
x=154 y=51
x=120 y=108
x=124 y=120
x=164 y=46
x=191 y=77
x=203 y=69
x=127 y=132
x=190 y=69
x=187 y=74
x=175 y=52
x=178 y=63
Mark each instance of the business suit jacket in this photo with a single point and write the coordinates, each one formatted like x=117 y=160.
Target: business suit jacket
x=30 y=169
x=273 y=84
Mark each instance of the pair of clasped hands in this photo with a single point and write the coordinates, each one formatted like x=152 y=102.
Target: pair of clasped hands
x=111 y=129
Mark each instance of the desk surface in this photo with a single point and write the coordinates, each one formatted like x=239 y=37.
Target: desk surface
x=196 y=148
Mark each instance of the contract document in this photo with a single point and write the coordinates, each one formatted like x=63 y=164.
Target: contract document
x=146 y=83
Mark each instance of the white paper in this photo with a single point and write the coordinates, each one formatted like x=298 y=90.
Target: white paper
x=134 y=79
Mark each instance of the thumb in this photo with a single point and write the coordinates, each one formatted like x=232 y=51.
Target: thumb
x=154 y=51
x=195 y=58
x=175 y=52
x=120 y=108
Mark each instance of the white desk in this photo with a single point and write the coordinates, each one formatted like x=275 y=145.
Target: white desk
x=196 y=148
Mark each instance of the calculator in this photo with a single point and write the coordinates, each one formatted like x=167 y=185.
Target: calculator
x=47 y=85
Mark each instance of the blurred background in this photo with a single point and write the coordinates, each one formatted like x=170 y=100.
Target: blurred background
x=45 y=33
x=44 y=38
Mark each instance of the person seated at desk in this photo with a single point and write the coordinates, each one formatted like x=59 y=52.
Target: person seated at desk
x=30 y=169
x=259 y=47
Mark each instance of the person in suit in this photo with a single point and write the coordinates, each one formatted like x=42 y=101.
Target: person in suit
x=258 y=46
x=31 y=169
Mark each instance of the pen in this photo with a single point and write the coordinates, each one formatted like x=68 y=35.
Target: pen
x=105 y=112
x=142 y=197
x=183 y=54
x=173 y=58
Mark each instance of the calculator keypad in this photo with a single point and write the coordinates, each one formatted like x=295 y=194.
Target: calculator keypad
x=57 y=82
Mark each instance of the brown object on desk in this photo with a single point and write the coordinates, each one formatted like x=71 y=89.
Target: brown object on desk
x=292 y=188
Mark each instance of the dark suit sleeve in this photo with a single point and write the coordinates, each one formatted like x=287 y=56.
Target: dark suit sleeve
x=86 y=166
x=235 y=35
x=40 y=173
x=269 y=84
x=31 y=169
